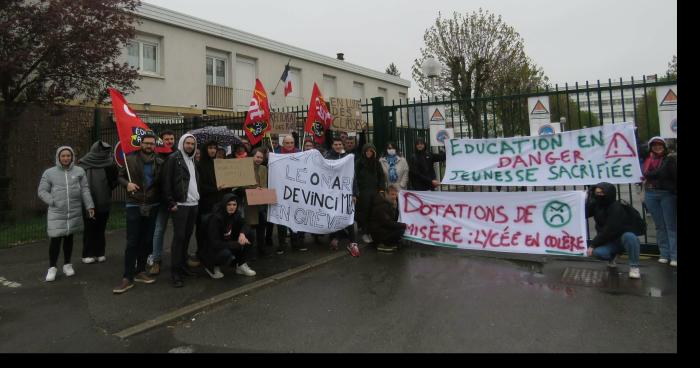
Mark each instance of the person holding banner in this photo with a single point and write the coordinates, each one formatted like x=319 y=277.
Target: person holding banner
x=228 y=239
x=181 y=191
x=102 y=174
x=141 y=176
x=384 y=226
x=395 y=167
x=64 y=188
x=255 y=216
x=660 y=170
x=616 y=227
x=369 y=180
x=337 y=152
x=421 y=172
x=288 y=146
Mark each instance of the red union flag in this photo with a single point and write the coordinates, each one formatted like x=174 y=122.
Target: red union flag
x=257 y=122
x=129 y=126
x=319 y=118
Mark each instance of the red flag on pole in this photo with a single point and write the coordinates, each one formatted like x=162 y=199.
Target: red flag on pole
x=129 y=126
x=257 y=122
x=319 y=118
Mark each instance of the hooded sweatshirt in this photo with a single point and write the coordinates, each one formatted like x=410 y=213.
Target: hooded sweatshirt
x=421 y=172
x=66 y=191
x=102 y=174
x=223 y=229
x=611 y=219
x=208 y=191
x=192 y=192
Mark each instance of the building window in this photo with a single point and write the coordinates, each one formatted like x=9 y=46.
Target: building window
x=358 y=91
x=329 y=86
x=216 y=72
x=402 y=96
x=382 y=93
x=144 y=55
x=295 y=76
x=245 y=81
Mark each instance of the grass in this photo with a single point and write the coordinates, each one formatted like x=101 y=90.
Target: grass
x=33 y=229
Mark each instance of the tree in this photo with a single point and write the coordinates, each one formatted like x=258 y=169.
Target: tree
x=563 y=106
x=483 y=57
x=55 y=51
x=647 y=116
x=672 y=72
x=393 y=70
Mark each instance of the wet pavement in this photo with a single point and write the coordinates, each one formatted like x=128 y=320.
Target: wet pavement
x=421 y=299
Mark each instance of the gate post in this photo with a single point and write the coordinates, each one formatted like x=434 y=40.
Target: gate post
x=381 y=123
x=97 y=124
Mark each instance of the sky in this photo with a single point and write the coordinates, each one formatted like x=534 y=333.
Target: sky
x=572 y=40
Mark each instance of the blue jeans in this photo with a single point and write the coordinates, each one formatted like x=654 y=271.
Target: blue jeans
x=159 y=233
x=628 y=241
x=662 y=206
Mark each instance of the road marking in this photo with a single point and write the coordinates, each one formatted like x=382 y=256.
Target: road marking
x=8 y=283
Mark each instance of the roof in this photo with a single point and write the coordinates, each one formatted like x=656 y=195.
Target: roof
x=167 y=16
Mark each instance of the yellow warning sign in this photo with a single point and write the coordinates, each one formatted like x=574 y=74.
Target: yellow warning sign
x=670 y=99
x=539 y=108
x=437 y=116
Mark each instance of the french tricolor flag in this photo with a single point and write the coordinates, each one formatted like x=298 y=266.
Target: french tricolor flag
x=287 y=81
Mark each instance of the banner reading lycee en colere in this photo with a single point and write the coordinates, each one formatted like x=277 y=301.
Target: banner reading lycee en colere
x=522 y=222
x=314 y=195
x=578 y=157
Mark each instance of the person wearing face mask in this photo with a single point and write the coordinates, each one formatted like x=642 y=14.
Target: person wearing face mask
x=395 y=167
x=65 y=189
x=660 y=198
x=181 y=190
x=616 y=228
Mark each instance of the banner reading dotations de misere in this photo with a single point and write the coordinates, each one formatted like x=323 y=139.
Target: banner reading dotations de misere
x=516 y=222
x=578 y=157
x=314 y=195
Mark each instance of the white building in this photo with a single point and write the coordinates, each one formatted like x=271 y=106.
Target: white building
x=617 y=101
x=189 y=64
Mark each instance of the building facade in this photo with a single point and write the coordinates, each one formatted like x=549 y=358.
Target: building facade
x=187 y=64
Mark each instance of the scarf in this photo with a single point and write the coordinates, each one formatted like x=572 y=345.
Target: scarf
x=393 y=175
x=652 y=163
x=283 y=150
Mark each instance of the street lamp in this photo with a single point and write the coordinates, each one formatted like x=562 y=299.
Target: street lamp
x=562 y=123
x=432 y=69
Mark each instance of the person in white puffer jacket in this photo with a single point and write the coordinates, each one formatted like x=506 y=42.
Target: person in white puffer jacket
x=64 y=188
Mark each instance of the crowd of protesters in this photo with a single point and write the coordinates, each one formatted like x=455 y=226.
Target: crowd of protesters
x=182 y=186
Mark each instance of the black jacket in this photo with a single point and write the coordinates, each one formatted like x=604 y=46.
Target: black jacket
x=150 y=195
x=176 y=178
x=420 y=169
x=223 y=229
x=369 y=175
x=664 y=177
x=209 y=194
x=384 y=219
x=611 y=218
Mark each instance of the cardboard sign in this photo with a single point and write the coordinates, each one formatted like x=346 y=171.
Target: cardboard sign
x=283 y=122
x=260 y=196
x=347 y=115
x=577 y=157
x=517 y=222
x=232 y=173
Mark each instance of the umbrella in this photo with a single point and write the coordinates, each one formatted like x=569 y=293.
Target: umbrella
x=221 y=134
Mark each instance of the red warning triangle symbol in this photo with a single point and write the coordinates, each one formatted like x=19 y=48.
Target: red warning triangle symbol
x=539 y=108
x=437 y=116
x=619 y=147
x=669 y=99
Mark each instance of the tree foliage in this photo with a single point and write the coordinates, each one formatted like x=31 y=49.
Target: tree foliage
x=482 y=56
x=393 y=70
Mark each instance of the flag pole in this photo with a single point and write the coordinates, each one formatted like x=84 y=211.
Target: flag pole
x=278 y=80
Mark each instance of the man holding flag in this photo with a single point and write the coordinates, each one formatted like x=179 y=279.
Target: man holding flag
x=319 y=118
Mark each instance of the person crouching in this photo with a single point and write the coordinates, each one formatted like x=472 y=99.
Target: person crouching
x=228 y=238
x=384 y=226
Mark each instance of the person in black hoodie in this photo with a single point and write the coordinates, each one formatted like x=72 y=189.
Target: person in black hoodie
x=420 y=168
x=210 y=194
x=384 y=226
x=228 y=239
x=369 y=180
x=616 y=230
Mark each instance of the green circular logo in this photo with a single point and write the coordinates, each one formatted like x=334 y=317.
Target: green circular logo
x=557 y=214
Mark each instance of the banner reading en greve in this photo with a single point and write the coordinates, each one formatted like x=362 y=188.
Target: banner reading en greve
x=578 y=157
x=314 y=195
x=516 y=222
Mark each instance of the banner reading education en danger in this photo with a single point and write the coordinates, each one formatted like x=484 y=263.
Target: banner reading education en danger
x=314 y=195
x=522 y=222
x=578 y=157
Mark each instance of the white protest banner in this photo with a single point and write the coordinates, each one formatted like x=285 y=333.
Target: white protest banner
x=667 y=98
x=515 y=222
x=314 y=195
x=538 y=107
x=577 y=157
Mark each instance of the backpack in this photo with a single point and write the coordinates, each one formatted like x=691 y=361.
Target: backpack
x=634 y=218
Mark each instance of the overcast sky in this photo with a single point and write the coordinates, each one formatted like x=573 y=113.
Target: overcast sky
x=572 y=40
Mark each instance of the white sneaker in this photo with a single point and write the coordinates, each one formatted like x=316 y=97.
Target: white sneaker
x=88 y=260
x=245 y=270
x=367 y=238
x=634 y=273
x=51 y=275
x=101 y=259
x=674 y=263
x=150 y=260
x=663 y=260
x=216 y=274
x=68 y=269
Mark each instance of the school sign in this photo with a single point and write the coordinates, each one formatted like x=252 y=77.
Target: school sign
x=579 y=157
